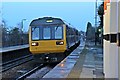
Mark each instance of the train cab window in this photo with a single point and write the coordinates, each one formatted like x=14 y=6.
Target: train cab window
x=46 y=33
x=35 y=33
x=58 y=32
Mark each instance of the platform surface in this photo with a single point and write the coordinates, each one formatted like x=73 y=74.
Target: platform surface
x=6 y=49
x=80 y=65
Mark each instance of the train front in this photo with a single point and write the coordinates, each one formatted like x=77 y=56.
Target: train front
x=47 y=39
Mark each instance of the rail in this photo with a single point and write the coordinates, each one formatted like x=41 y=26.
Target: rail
x=8 y=65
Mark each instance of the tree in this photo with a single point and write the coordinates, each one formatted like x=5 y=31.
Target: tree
x=15 y=36
x=101 y=13
x=100 y=28
x=90 y=33
x=12 y=37
x=3 y=33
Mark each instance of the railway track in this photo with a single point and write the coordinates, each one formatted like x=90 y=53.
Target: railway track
x=22 y=77
x=13 y=63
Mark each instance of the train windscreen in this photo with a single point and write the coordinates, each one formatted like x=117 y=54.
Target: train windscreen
x=47 y=33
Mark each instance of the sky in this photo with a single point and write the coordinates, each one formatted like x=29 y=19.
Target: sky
x=78 y=14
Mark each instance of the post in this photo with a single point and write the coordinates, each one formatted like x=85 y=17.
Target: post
x=22 y=30
x=106 y=39
x=95 y=22
x=113 y=40
x=119 y=39
x=1 y=38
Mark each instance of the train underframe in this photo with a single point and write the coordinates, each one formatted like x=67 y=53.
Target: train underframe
x=49 y=57
x=53 y=57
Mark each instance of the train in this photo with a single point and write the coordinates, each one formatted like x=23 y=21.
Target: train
x=50 y=38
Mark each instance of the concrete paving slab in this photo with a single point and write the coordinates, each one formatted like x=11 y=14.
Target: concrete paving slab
x=89 y=66
x=93 y=65
x=87 y=73
x=73 y=57
x=76 y=70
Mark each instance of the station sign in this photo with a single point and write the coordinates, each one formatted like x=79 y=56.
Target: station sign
x=113 y=38
x=105 y=4
x=106 y=37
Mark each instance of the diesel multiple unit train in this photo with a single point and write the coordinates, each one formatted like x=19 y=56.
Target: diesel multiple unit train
x=50 y=38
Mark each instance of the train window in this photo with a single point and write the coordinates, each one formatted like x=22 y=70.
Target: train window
x=46 y=33
x=58 y=32
x=35 y=33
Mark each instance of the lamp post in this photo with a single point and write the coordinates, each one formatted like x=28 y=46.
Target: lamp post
x=22 y=22
x=95 y=22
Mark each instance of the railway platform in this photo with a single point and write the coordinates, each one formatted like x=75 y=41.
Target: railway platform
x=12 y=48
x=86 y=61
x=13 y=52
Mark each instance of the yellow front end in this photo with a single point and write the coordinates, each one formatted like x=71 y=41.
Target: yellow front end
x=48 y=46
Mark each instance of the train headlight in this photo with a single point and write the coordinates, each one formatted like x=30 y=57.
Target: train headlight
x=34 y=44
x=59 y=43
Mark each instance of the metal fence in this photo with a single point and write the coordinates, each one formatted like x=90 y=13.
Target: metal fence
x=12 y=37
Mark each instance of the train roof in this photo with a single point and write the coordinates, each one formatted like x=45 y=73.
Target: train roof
x=46 y=21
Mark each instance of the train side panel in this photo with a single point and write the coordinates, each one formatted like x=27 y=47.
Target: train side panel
x=72 y=37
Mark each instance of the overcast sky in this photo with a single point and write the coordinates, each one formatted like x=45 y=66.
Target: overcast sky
x=76 y=13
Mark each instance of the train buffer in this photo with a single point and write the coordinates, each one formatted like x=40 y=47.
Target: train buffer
x=84 y=62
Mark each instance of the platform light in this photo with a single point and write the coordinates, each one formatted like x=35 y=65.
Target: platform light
x=62 y=65
x=99 y=30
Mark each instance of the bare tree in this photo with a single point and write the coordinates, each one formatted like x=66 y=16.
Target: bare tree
x=3 y=33
x=15 y=36
x=12 y=37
